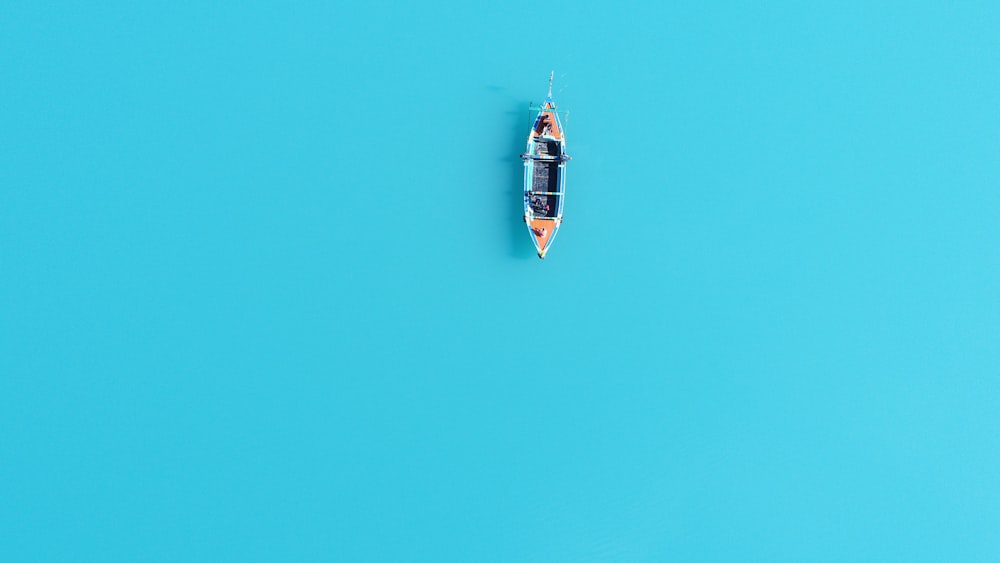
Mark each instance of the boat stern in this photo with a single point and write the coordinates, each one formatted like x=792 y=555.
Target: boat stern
x=542 y=232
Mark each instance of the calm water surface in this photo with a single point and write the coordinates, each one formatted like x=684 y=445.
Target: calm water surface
x=266 y=293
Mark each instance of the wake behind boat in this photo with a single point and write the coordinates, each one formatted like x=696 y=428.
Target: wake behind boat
x=545 y=175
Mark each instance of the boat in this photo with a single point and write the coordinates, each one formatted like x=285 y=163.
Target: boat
x=545 y=174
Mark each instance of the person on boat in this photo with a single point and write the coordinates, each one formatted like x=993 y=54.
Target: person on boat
x=539 y=206
x=544 y=126
x=539 y=231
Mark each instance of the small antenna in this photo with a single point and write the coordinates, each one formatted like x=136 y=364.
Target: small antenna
x=551 y=76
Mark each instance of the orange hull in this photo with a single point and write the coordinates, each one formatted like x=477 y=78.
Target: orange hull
x=545 y=175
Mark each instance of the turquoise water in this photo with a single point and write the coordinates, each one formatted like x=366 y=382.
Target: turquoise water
x=266 y=293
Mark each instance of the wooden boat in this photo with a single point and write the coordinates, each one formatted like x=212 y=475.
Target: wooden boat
x=545 y=175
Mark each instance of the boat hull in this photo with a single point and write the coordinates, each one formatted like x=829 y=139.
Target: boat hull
x=545 y=176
